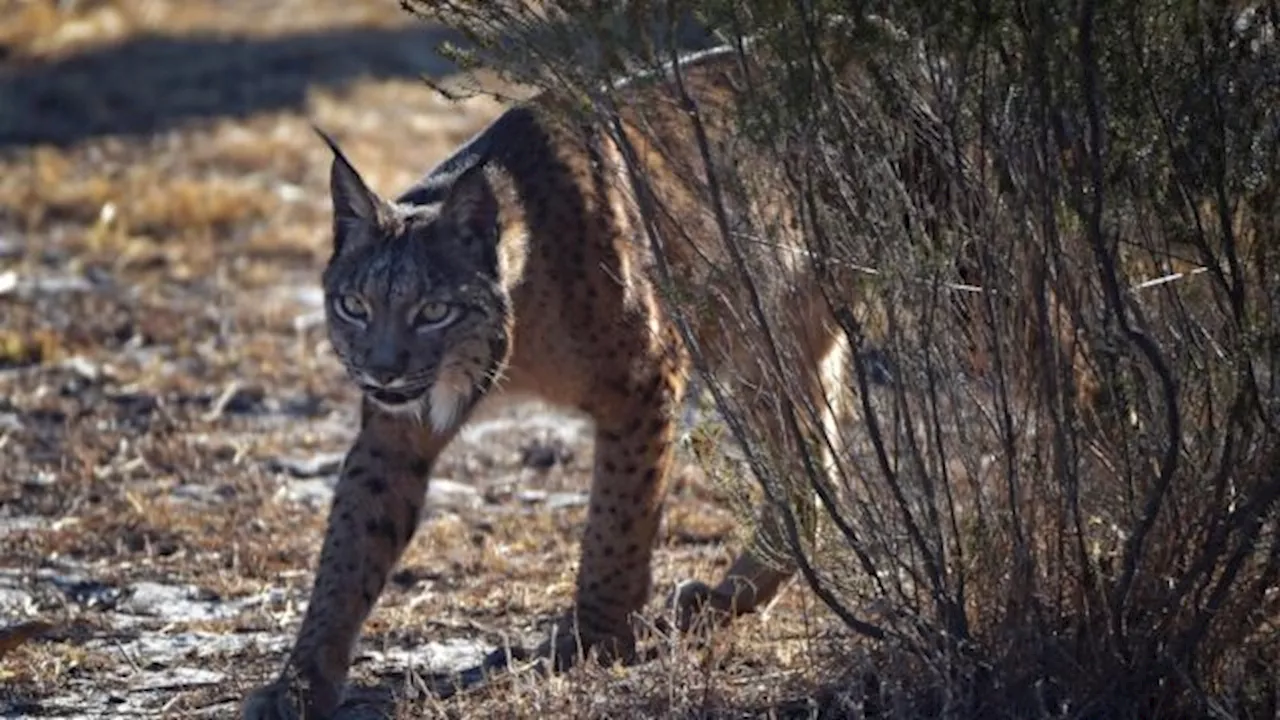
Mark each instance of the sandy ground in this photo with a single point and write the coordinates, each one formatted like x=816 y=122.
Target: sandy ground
x=171 y=415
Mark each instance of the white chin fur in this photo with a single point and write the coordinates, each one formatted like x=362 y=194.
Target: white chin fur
x=413 y=408
x=446 y=405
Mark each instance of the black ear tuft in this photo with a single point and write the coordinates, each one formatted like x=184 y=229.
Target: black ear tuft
x=470 y=205
x=353 y=203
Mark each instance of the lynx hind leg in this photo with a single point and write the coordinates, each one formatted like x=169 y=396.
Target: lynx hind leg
x=634 y=450
x=765 y=565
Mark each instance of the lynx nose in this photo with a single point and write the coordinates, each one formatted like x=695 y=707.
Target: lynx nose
x=382 y=377
x=384 y=366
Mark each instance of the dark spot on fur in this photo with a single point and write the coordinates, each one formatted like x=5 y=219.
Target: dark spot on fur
x=376 y=485
x=382 y=527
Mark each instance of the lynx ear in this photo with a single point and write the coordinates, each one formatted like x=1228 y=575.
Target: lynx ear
x=470 y=205
x=355 y=206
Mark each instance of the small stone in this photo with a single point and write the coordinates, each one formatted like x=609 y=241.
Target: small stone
x=16 y=603
x=174 y=602
x=291 y=193
x=316 y=492
x=445 y=656
x=532 y=497
x=562 y=500
x=445 y=493
x=42 y=479
x=84 y=368
x=552 y=500
x=22 y=523
x=201 y=494
x=308 y=467
x=59 y=284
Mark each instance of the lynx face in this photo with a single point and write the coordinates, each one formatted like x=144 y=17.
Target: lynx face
x=413 y=301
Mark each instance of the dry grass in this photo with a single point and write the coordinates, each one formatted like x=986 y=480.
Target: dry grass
x=157 y=270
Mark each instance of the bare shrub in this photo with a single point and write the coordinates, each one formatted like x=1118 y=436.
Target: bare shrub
x=1048 y=232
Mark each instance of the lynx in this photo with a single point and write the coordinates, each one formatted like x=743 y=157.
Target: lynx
x=521 y=265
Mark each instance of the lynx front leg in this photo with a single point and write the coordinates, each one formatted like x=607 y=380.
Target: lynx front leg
x=374 y=514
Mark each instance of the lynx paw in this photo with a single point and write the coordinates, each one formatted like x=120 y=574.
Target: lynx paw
x=697 y=607
x=559 y=652
x=289 y=698
x=277 y=701
x=565 y=648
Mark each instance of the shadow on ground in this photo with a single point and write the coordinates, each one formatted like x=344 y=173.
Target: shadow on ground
x=151 y=83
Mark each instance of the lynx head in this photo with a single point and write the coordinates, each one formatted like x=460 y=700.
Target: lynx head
x=413 y=298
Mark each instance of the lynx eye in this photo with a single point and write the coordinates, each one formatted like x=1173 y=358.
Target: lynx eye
x=352 y=308
x=433 y=315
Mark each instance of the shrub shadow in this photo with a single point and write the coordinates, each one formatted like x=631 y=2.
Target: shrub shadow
x=151 y=83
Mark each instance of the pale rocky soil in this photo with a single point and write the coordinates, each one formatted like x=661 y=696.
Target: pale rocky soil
x=171 y=416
